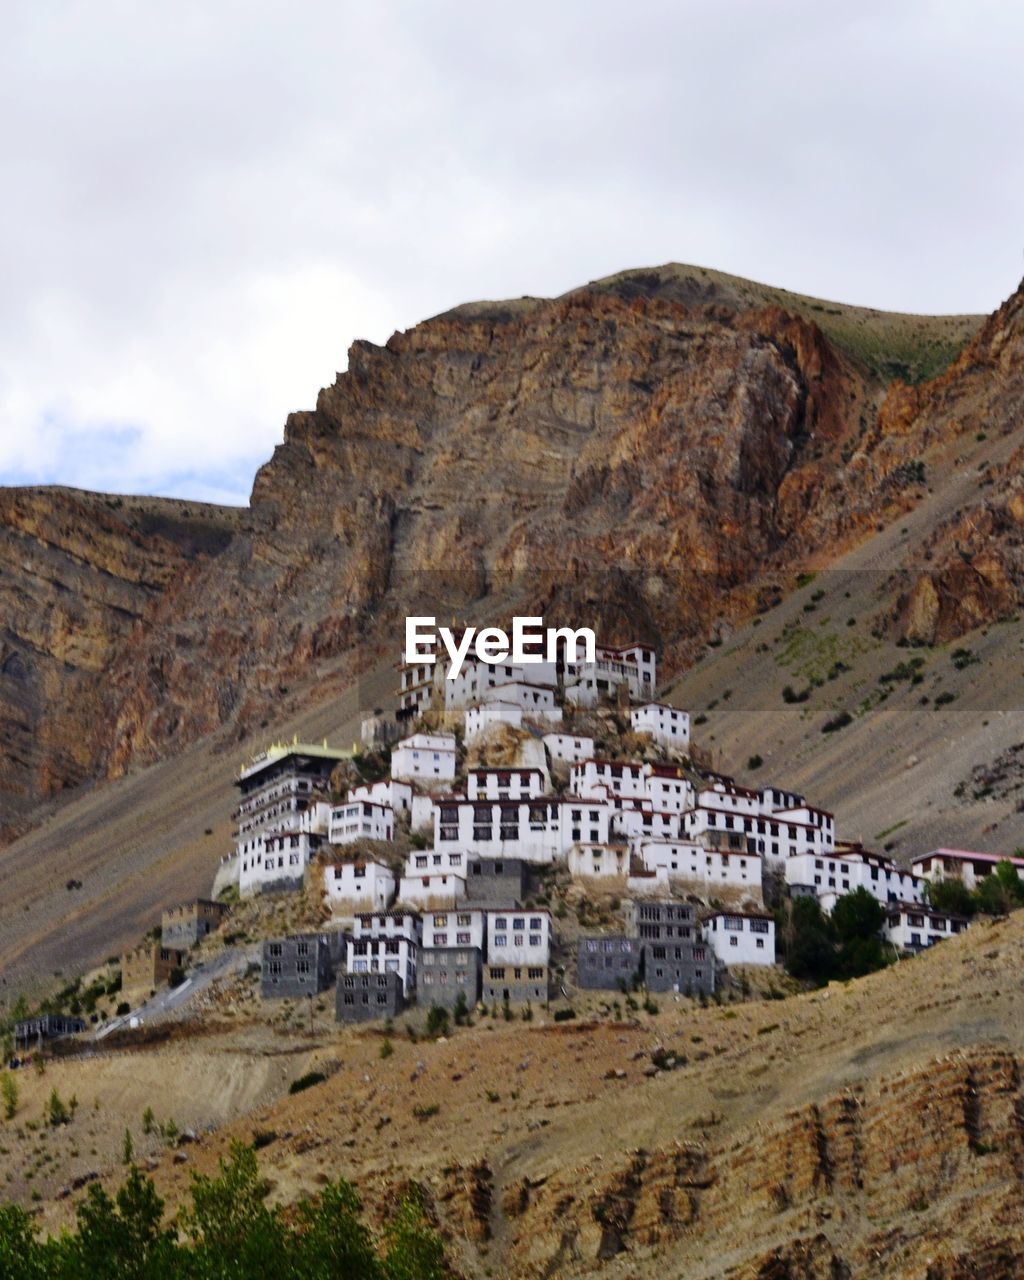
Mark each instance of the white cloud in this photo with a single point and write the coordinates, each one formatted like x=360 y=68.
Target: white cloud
x=206 y=203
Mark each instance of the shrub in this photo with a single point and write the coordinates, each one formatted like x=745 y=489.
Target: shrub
x=423 y=1111
x=837 y=722
x=437 y=1021
x=754 y=762
x=944 y=698
x=123 y=1008
x=789 y=694
x=460 y=1012
x=564 y=1015
x=56 y=1112
x=386 y=1048
x=307 y=1081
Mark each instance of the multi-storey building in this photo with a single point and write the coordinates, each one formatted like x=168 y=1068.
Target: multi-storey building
x=962 y=864
x=830 y=876
x=386 y=942
x=425 y=758
x=518 y=955
x=505 y=784
x=301 y=965
x=741 y=937
x=609 y=962
x=282 y=814
x=665 y=724
x=608 y=779
x=633 y=665
x=911 y=926
x=365 y=997
x=359 y=886
x=539 y=830
x=185 y=925
x=361 y=820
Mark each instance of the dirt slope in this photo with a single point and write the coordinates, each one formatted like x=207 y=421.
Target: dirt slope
x=868 y=1130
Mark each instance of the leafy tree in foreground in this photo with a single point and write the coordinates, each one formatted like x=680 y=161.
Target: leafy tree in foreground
x=228 y=1232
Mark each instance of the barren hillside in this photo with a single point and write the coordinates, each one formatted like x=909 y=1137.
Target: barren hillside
x=872 y=1129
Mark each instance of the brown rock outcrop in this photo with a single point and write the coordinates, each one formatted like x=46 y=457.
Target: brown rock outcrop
x=637 y=454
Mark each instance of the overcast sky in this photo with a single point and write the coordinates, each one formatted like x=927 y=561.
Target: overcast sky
x=205 y=203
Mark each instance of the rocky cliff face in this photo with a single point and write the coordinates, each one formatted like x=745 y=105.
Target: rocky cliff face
x=78 y=572
x=649 y=453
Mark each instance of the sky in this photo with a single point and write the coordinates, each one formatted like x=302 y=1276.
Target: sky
x=206 y=203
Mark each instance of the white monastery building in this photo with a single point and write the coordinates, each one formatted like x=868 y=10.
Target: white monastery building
x=962 y=864
x=739 y=937
x=667 y=725
x=425 y=757
x=353 y=887
x=361 y=820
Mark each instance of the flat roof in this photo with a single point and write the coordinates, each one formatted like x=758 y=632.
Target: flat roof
x=279 y=751
x=969 y=855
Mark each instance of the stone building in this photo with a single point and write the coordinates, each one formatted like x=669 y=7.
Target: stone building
x=363 y=997
x=301 y=965
x=149 y=966
x=183 y=926
x=684 y=967
x=445 y=973
x=516 y=984
x=609 y=963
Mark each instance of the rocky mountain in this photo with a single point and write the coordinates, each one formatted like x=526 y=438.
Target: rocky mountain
x=78 y=573
x=658 y=452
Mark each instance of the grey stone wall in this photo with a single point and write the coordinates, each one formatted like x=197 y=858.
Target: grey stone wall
x=608 y=962
x=444 y=972
x=297 y=966
x=686 y=967
x=496 y=882
x=365 y=997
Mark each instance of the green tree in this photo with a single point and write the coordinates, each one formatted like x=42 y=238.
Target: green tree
x=437 y=1021
x=413 y=1251
x=809 y=941
x=1001 y=891
x=127 y=1148
x=122 y=1236
x=21 y=1254
x=232 y=1229
x=9 y=1093
x=857 y=915
x=56 y=1112
x=951 y=894
x=331 y=1240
